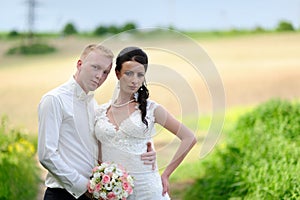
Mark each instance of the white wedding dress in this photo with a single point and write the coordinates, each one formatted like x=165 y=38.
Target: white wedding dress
x=125 y=146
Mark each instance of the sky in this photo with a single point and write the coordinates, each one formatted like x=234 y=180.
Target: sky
x=86 y=15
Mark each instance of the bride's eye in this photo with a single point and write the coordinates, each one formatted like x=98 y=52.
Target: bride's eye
x=128 y=73
x=141 y=75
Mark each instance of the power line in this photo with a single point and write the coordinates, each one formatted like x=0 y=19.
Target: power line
x=31 y=16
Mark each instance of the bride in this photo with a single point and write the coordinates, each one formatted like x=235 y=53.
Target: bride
x=125 y=124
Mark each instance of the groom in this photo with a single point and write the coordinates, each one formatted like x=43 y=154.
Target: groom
x=67 y=147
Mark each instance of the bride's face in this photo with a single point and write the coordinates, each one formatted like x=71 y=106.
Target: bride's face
x=131 y=76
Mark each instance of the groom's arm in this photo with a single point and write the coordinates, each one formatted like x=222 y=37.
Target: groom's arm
x=149 y=157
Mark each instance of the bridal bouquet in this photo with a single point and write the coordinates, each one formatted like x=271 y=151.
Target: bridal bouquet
x=110 y=181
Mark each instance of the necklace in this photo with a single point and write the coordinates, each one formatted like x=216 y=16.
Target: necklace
x=120 y=105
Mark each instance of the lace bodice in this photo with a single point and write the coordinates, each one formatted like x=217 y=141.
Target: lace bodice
x=132 y=134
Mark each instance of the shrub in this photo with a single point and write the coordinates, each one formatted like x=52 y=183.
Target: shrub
x=112 y=29
x=31 y=49
x=19 y=174
x=259 y=158
x=13 y=34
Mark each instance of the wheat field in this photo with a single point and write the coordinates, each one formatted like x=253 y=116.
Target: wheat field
x=252 y=69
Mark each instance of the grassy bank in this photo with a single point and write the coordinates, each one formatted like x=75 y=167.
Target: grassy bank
x=258 y=159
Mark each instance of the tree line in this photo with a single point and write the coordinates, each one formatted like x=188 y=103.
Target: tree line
x=71 y=29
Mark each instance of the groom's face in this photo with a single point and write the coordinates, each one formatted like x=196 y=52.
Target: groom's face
x=93 y=70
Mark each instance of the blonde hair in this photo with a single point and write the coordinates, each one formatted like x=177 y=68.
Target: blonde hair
x=96 y=47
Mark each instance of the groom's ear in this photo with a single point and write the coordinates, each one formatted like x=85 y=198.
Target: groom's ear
x=79 y=63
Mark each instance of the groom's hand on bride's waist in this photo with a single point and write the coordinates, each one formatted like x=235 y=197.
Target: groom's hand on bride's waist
x=149 y=157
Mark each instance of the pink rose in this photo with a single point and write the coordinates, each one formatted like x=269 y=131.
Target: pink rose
x=125 y=174
x=98 y=187
x=95 y=169
x=111 y=195
x=127 y=187
x=105 y=179
x=89 y=188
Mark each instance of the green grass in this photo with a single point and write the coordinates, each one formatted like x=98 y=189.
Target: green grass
x=207 y=35
x=154 y=34
x=258 y=159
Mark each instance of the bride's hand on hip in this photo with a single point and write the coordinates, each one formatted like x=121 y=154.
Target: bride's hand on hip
x=165 y=184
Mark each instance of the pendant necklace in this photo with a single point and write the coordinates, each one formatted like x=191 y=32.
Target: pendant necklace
x=120 y=105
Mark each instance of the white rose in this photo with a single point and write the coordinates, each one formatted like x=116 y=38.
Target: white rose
x=108 y=170
x=124 y=194
x=119 y=172
x=103 y=195
x=97 y=175
x=117 y=190
x=108 y=186
x=92 y=184
x=115 y=176
x=96 y=195
x=130 y=180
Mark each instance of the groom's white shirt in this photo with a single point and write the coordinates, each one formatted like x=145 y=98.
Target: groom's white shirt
x=67 y=146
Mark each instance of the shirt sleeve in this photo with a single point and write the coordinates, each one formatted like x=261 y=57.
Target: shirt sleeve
x=50 y=116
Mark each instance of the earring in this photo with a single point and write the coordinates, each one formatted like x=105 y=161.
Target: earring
x=136 y=96
x=118 y=84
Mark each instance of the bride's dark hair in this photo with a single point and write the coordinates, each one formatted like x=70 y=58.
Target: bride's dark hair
x=138 y=55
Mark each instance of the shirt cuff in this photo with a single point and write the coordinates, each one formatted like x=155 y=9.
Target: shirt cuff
x=78 y=188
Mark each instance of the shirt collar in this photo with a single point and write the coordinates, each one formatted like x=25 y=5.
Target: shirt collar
x=80 y=93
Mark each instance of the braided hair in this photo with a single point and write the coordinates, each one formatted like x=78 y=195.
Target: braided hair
x=138 y=55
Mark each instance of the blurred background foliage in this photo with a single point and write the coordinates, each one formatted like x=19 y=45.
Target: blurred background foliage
x=20 y=175
x=32 y=43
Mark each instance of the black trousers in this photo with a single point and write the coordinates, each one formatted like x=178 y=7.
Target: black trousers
x=61 y=194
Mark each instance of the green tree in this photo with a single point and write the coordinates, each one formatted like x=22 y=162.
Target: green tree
x=100 y=30
x=258 y=29
x=128 y=26
x=113 y=29
x=69 y=29
x=284 y=26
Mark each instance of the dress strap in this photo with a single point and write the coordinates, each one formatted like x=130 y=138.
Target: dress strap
x=151 y=106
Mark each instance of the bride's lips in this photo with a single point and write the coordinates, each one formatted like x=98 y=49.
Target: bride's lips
x=132 y=87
